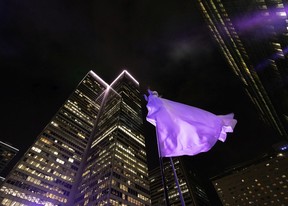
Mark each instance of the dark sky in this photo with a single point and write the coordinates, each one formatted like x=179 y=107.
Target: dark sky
x=47 y=47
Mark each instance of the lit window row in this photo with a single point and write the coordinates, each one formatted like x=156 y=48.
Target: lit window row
x=127 y=162
x=125 y=149
x=131 y=134
x=130 y=109
x=8 y=202
x=105 y=134
x=28 y=197
x=77 y=112
x=55 y=172
x=131 y=159
x=35 y=172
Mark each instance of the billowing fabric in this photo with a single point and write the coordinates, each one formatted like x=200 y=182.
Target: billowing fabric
x=185 y=130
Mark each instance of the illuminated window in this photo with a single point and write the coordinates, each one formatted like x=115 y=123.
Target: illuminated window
x=36 y=149
x=281 y=13
x=60 y=161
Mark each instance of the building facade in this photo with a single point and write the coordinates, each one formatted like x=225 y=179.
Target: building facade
x=253 y=38
x=7 y=153
x=92 y=152
x=192 y=191
x=263 y=181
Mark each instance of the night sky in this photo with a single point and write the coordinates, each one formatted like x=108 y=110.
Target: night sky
x=47 y=47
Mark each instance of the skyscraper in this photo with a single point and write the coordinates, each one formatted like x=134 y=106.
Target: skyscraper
x=92 y=152
x=192 y=190
x=262 y=181
x=253 y=37
x=7 y=153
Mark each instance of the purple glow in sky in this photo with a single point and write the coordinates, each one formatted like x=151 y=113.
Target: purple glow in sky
x=254 y=21
x=262 y=26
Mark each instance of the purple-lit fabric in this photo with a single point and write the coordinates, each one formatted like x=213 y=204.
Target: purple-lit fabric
x=185 y=130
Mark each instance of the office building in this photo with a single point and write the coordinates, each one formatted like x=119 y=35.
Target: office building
x=192 y=191
x=92 y=152
x=253 y=38
x=263 y=181
x=7 y=153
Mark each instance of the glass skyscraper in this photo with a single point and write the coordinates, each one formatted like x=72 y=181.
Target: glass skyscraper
x=92 y=152
x=192 y=189
x=253 y=38
x=7 y=153
x=261 y=181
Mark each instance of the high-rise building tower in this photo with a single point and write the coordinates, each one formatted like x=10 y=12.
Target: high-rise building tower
x=92 y=152
x=7 y=153
x=261 y=181
x=253 y=37
x=192 y=190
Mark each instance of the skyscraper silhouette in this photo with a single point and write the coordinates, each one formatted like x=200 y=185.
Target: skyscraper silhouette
x=92 y=152
x=252 y=36
x=7 y=153
x=191 y=187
